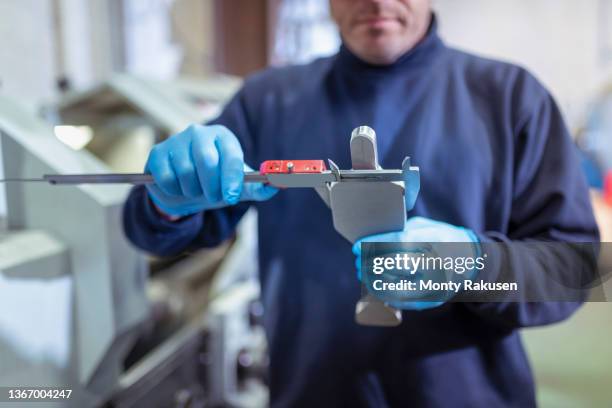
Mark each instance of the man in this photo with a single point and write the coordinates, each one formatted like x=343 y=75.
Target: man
x=496 y=162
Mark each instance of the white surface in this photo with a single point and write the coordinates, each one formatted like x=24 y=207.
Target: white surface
x=149 y=46
x=40 y=331
x=2 y=194
x=558 y=40
x=22 y=248
x=27 y=62
x=304 y=32
x=76 y=36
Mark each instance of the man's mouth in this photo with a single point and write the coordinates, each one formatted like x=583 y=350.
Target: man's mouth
x=376 y=21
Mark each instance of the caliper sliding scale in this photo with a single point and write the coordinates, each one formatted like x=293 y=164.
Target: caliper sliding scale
x=365 y=200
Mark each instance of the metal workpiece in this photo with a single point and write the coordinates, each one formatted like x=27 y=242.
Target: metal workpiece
x=364 y=151
x=361 y=209
x=370 y=309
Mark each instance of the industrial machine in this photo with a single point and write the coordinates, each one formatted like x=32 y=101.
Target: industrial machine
x=83 y=309
x=77 y=288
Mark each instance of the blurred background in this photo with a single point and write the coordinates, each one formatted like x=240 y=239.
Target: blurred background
x=91 y=85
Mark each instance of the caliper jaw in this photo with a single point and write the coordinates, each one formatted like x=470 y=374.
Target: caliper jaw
x=333 y=167
x=412 y=183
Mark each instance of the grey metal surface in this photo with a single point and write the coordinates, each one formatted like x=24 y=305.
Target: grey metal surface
x=168 y=375
x=232 y=337
x=362 y=209
x=364 y=151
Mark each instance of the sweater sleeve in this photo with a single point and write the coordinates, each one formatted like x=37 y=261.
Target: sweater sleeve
x=551 y=204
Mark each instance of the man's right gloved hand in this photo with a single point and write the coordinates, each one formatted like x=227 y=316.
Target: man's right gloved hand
x=200 y=168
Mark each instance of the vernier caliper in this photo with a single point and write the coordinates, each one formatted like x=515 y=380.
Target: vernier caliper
x=279 y=173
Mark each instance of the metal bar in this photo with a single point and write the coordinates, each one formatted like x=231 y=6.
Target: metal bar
x=284 y=180
x=19 y=180
x=124 y=178
x=371 y=175
x=127 y=178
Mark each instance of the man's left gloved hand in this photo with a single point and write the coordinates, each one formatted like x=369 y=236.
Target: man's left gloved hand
x=420 y=229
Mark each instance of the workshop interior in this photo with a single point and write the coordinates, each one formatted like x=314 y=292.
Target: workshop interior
x=90 y=86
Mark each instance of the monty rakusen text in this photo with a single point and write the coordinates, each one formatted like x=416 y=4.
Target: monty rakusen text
x=404 y=264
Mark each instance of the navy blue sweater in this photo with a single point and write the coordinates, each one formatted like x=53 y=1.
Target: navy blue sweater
x=495 y=156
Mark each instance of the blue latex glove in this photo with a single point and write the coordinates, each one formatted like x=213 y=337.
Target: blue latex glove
x=420 y=229
x=198 y=169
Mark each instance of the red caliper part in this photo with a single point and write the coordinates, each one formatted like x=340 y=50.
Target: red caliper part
x=292 y=166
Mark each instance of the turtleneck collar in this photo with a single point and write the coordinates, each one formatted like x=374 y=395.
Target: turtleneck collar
x=418 y=55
